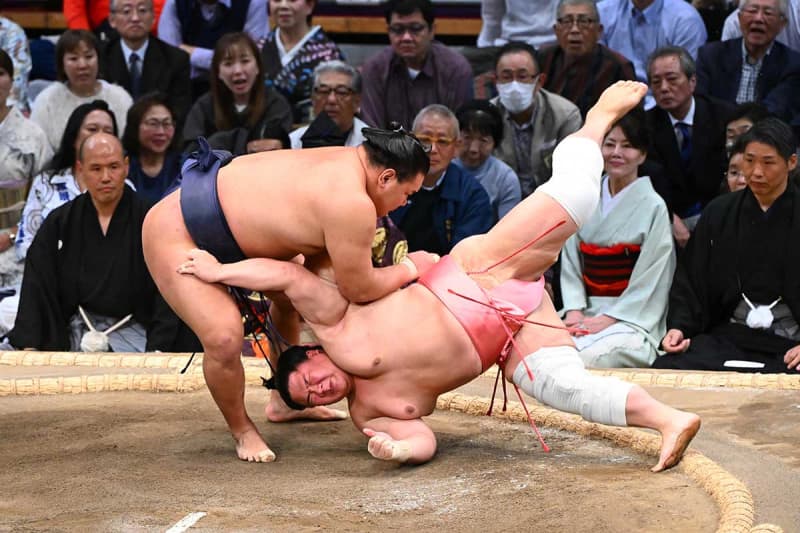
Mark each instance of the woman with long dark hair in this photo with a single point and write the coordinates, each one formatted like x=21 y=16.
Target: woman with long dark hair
x=239 y=114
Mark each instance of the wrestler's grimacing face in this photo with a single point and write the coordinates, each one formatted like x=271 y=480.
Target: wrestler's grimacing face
x=318 y=381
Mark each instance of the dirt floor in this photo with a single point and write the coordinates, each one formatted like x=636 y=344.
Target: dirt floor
x=140 y=461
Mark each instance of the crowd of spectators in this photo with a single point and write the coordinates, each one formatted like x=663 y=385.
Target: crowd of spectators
x=682 y=265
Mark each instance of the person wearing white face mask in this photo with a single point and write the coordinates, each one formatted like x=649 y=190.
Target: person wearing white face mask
x=534 y=120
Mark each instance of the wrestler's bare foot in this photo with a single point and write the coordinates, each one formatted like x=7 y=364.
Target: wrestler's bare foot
x=675 y=438
x=278 y=411
x=251 y=447
x=612 y=105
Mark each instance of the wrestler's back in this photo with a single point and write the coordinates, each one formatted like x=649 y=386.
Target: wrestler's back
x=404 y=349
x=271 y=200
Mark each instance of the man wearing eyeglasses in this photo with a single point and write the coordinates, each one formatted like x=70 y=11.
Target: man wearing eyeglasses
x=534 y=120
x=451 y=204
x=142 y=63
x=414 y=71
x=336 y=94
x=195 y=26
x=579 y=68
x=790 y=35
x=754 y=67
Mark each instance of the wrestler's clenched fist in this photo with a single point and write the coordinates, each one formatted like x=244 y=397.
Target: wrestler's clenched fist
x=382 y=446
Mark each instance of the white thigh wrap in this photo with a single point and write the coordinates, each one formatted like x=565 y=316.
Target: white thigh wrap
x=575 y=184
x=561 y=381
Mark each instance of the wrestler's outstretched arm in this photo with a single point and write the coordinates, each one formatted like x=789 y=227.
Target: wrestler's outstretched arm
x=404 y=441
x=317 y=300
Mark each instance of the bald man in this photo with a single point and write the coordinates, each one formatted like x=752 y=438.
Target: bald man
x=88 y=253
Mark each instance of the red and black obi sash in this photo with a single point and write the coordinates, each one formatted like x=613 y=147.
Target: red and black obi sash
x=607 y=270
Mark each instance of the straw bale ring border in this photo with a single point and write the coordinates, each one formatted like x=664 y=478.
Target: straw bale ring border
x=733 y=498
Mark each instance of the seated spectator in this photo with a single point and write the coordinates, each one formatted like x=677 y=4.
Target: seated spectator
x=754 y=67
x=789 y=35
x=742 y=119
x=60 y=182
x=53 y=187
x=142 y=63
x=196 y=26
x=14 y=43
x=149 y=142
x=481 y=127
x=291 y=52
x=534 y=120
x=77 y=66
x=579 y=68
x=414 y=71
x=85 y=269
x=450 y=205
x=637 y=28
x=734 y=176
x=616 y=270
x=94 y=15
x=240 y=114
x=504 y=21
x=337 y=95
x=23 y=152
x=735 y=302
x=687 y=136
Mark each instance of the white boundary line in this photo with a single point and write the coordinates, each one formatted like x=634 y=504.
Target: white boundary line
x=186 y=522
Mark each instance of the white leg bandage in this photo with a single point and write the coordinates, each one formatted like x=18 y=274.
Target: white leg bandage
x=561 y=381
x=575 y=184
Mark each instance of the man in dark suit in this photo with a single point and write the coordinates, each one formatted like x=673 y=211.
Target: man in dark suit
x=754 y=67
x=142 y=63
x=687 y=136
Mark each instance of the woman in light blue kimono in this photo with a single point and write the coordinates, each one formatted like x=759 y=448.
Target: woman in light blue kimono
x=617 y=269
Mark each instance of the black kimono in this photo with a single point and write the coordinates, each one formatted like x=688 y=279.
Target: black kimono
x=71 y=263
x=736 y=249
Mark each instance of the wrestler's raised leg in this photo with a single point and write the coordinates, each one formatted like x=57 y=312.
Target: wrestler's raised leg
x=568 y=198
x=561 y=381
x=211 y=313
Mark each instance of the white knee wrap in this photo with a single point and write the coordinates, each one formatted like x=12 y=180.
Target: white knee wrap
x=575 y=184
x=561 y=381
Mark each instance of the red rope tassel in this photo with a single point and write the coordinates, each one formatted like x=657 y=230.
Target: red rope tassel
x=521 y=249
x=505 y=315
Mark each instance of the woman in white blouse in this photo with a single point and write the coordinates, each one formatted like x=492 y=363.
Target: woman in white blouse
x=77 y=68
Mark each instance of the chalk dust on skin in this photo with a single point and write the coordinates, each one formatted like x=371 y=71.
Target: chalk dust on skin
x=142 y=461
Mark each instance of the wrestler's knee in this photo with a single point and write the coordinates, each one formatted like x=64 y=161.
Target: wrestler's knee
x=558 y=369
x=575 y=184
x=222 y=343
x=561 y=381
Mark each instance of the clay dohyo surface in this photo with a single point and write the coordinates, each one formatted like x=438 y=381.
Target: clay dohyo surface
x=139 y=461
